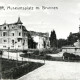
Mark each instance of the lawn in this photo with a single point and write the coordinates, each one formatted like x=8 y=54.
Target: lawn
x=42 y=54
x=12 y=69
x=41 y=57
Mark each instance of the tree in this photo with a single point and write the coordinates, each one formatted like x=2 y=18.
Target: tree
x=72 y=38
x=62 y=42
x=53 y=40
x=31 y=42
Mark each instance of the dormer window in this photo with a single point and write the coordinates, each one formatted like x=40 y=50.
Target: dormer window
x=5 y=27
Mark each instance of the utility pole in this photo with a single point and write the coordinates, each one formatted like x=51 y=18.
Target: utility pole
x=16 y=55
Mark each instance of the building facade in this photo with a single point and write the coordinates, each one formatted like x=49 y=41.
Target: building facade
x=13 y=36
x=75 y=48
x=42 y=39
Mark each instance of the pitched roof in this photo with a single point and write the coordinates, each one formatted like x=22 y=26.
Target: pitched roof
x=18 y=22
x=33 y=33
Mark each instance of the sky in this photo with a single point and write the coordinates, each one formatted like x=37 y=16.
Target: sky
x=63 y=20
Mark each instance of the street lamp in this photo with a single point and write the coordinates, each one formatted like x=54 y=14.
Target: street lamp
x=16 y=55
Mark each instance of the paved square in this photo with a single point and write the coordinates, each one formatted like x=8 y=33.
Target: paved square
x=55 y=70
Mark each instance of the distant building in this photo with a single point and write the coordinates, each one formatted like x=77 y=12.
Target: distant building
x=75 y=48
x=42 y=39
x=13 y=36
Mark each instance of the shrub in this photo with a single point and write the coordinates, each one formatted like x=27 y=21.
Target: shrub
x=36 y=52
x=48 y=57
x=71 y=56
x=1 y=52
x=24 y=51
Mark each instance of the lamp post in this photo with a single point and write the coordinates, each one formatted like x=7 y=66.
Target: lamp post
x=16 y=55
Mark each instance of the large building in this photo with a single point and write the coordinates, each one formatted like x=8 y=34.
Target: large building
x=13 y=36
x=41 y=39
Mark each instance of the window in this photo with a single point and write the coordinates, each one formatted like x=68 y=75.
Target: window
x=24 y=34
x=4 y=33
x=4 y=46
x=12 y=41
x=5 y=27
x=8 y=26
x=19 y=33
x=24 y=41
x=12 y=27
x=19 y=46
x=19 y=39
x=12 y=46
x=12 y=34
x=5 y=40
x=20 y=27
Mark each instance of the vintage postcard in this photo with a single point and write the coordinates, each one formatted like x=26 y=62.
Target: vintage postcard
x=40 y=39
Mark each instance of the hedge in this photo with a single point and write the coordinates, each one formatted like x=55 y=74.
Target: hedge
x=70 y=56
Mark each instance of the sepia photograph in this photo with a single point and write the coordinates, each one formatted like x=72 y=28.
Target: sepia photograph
x=39 y=39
